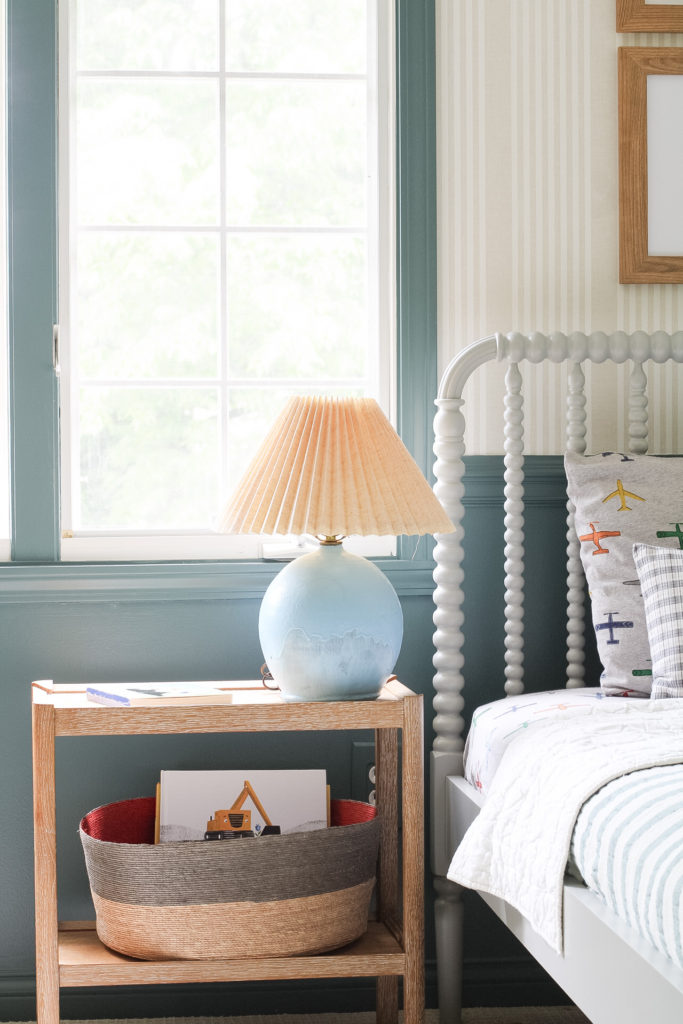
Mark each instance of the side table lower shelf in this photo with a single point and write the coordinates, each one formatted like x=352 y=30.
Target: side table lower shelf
x=85 y=961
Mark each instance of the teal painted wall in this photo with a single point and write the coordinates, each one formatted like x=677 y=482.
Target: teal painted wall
x=545 y=597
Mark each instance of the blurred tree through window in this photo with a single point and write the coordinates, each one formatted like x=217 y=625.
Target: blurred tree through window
x=222 y=241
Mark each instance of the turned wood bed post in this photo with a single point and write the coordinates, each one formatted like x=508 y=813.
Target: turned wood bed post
x=576 y=442
x=513 y=523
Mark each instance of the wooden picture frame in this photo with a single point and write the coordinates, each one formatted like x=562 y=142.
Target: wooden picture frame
x=637 y=265
x=639 y=16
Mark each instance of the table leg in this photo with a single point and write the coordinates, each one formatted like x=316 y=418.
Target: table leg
x=412 y=778
x=386 y=793
x=45 y=862
x=387 y=1000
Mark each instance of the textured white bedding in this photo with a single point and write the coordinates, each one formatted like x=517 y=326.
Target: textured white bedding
x=517 y=848
x=495 y=725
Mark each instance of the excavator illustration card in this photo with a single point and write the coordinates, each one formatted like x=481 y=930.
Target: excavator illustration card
x=234 y=823
x=228 y=805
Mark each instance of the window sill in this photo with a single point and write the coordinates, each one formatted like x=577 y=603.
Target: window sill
x=94 y=548
x=173 y=581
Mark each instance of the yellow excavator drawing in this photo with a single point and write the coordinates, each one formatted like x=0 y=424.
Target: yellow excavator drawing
x=234 y=823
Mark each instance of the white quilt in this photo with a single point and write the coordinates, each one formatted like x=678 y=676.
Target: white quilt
x=518 y=845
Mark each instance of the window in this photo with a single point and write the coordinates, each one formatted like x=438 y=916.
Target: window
x=226 y=240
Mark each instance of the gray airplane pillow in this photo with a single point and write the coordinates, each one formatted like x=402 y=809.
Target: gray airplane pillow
x=621 y=500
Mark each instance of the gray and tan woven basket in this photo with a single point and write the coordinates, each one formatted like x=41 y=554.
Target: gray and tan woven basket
x=299 y=893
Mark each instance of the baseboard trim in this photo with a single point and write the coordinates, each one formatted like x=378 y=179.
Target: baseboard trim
x=17 y=999
x=512 y=982
x=517 y=981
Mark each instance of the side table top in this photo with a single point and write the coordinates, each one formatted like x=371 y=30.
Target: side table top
x=254 y=708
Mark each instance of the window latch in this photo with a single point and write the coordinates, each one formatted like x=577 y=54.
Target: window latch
x=55 y=349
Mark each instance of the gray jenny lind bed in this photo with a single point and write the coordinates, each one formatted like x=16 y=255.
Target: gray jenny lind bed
x=617 y=955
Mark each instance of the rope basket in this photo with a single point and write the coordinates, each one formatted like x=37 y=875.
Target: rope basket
x=299 y=893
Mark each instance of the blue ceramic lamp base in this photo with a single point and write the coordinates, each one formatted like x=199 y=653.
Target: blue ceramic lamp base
x=330 y=627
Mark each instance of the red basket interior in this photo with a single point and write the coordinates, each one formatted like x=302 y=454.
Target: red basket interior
x=132 y=821
x=128 y=821
x=351 y=812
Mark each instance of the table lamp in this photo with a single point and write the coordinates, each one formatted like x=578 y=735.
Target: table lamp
x=330 y=623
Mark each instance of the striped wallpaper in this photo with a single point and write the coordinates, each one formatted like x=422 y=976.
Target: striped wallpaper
x=527 y=198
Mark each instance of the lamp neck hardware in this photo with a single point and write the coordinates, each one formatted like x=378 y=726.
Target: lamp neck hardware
x=330 y=541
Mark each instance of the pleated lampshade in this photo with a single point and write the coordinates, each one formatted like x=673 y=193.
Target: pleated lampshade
x=330 y=623
x=334 y=467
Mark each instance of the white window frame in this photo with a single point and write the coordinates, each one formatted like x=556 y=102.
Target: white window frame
x=184 y=545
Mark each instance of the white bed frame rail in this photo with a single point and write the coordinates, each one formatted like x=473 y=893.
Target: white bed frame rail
x=449 y=448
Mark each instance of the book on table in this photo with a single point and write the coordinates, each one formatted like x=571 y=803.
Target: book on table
x=150 y=694
x=233 y=804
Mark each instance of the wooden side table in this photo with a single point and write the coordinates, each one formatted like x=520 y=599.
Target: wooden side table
x=69 y=954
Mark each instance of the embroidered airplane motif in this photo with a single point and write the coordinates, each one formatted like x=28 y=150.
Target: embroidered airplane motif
x=516 y=707
x=624 y=458
x=596 y=536
x=522 y=725
x=673 y=533
x=478 y=714
x=622 y=494
x=611 y=625
x=560 y=707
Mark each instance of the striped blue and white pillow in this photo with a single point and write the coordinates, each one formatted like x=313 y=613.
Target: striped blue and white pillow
x=661 y=582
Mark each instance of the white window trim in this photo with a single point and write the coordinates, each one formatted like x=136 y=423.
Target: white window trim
x=182 y=545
